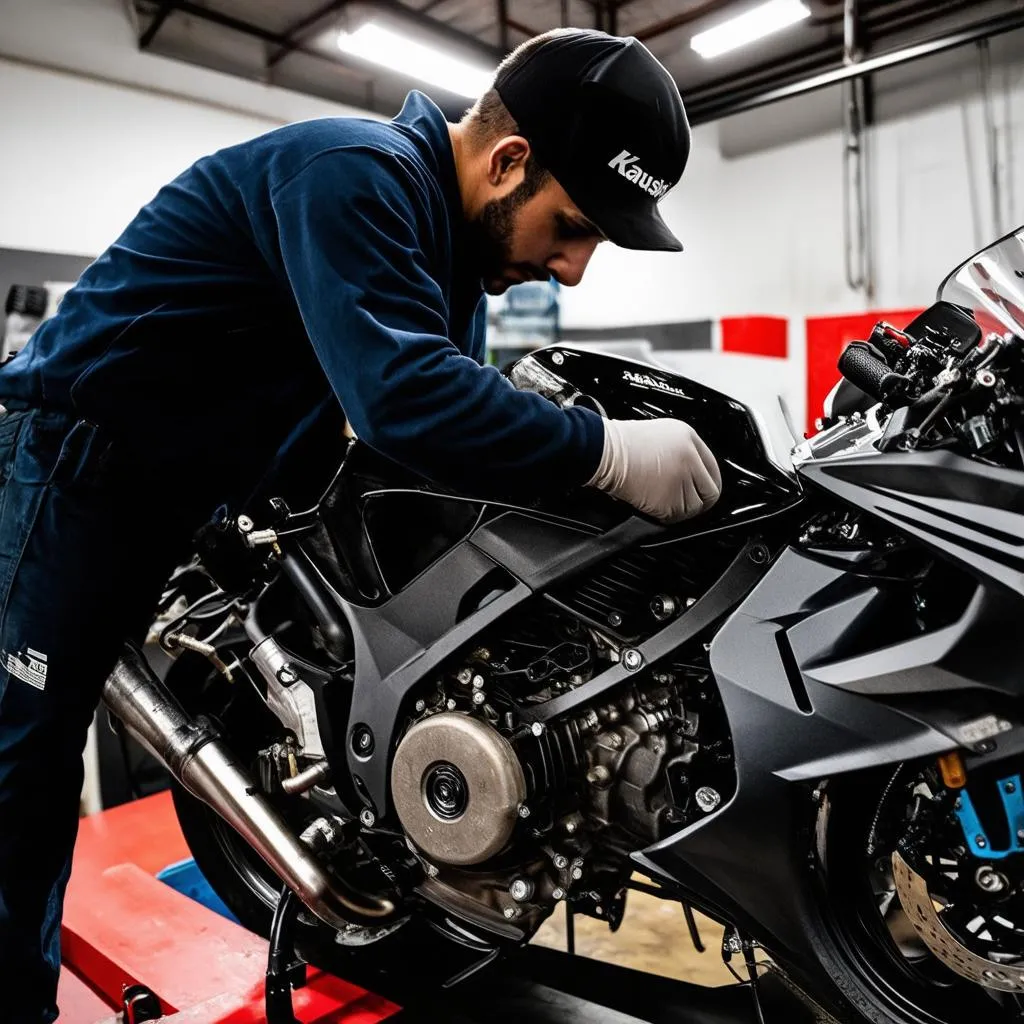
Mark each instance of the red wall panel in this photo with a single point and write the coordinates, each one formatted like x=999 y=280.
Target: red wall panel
x=827 y=336
x=755 y=335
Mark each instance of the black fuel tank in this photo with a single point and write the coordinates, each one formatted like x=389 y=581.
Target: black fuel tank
x=753 y=485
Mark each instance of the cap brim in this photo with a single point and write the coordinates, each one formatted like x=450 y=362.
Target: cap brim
x=631 y=229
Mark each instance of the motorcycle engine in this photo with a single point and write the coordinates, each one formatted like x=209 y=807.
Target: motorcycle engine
x=510 y=815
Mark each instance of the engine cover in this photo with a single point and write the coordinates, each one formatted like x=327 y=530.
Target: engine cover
x=457 y=786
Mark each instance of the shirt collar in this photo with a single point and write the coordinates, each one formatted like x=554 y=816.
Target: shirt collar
x=424 y=119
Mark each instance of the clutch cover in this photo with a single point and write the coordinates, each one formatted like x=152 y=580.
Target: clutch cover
x=457 y=786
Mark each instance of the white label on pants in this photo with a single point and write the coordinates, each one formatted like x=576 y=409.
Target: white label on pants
x=29 y=667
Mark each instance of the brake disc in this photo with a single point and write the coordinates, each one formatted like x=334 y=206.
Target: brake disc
x=920 y=909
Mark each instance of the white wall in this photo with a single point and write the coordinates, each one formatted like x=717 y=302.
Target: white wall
x=90 y=127
x=763 y=233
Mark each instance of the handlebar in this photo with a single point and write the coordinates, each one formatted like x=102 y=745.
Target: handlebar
x=863 y=366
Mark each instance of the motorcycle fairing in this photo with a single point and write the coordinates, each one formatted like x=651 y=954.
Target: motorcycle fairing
x=970 y=512
x=790 y=731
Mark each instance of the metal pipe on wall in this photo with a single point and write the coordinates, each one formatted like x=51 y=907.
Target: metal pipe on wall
x=991 y=135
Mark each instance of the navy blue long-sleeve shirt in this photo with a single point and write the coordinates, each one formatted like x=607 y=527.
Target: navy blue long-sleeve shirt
x=322 y=256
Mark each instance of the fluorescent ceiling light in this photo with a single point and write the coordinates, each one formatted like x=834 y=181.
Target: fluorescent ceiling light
x=382 y=46
x=757 y=23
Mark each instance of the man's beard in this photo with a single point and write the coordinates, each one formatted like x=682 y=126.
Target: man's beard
x=490 y=239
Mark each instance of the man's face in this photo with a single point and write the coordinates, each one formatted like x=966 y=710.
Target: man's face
x=528 y=234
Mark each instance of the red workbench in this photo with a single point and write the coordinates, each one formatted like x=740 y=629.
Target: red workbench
x=122 y=926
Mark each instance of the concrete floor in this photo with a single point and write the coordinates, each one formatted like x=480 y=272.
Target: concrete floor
x=653 y=937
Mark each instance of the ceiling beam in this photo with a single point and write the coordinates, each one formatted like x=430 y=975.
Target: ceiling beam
x=503 y=25
x=301 y=29
x=392 y=7
x=659 y=28
x=521 y=28
x=362 y=71
x=155 y=25
x=440 y=29
x=802 y=63
x=726 y=107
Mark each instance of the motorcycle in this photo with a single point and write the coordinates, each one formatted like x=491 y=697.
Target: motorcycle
x=434 y=716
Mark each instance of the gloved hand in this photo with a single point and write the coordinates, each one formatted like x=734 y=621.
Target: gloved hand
x=661 y=467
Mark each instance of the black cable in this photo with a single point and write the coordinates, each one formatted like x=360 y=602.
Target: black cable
x=281 y=960
x=732 y=971
x=751 y=964
x=691 y=925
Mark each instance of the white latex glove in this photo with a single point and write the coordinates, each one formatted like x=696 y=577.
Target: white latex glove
x=661 y=467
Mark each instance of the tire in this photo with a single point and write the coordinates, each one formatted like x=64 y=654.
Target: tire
x=868 y=978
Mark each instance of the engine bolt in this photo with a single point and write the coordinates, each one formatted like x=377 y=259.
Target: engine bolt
x=663 y=607
x=465 y=676
x=1010 y=788
x=599 y=775
x=244 y=524
x=560 y=862
x=421 y=705
x=979 y=841
x=1020 y=835
x=450 y=704
x=368 y=818
x=707 y=799
x=615 y=741
x=524 y=811
x=537 y=728
x=557 y=358
x=759 y=554
x=577 y=873
x=558 y=894
x=511 y=913
x=521 y=890
x=632 y=659
x=989 y=880
x=362 y=740
x=479 y=696
x=571 y=824
x=432 y=870
x=287 y=675
x=615 y=619
x=478 y=682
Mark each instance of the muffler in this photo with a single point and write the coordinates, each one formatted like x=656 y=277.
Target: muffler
x=195 y=753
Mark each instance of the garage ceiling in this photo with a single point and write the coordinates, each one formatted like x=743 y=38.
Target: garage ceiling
x=293 y=43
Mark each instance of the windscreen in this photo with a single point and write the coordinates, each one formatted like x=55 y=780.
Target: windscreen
x=991 y=285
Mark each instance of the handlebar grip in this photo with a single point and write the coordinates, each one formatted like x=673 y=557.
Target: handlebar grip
x=863 y=367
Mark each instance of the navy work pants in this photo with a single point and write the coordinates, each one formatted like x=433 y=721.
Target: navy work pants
x=88 y=537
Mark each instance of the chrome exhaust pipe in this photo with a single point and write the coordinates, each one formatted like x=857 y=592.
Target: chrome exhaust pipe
x=195 y=753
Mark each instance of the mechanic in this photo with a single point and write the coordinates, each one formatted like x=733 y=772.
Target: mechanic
x=179 y=367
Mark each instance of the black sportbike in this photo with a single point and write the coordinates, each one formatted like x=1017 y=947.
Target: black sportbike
x=434 y=717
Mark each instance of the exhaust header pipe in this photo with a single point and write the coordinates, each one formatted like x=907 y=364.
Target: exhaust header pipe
x=195 y=753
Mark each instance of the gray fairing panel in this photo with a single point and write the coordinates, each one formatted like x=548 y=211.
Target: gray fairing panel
x=968 y=511
x=789 y=731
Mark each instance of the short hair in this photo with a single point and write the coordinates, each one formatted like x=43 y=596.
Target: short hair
x=489 y=119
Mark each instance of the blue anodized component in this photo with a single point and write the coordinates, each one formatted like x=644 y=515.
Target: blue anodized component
x=1013 y=806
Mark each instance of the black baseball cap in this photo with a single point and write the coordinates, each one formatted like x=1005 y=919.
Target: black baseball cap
x=604 y=116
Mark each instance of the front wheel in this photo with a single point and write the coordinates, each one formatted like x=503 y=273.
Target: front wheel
x=886 y=968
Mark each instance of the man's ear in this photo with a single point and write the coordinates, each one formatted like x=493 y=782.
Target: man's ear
x=507 y=160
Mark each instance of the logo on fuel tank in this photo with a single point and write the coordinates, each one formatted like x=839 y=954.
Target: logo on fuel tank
x=651 y=382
